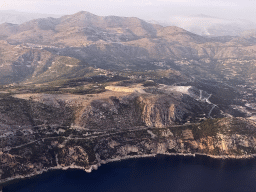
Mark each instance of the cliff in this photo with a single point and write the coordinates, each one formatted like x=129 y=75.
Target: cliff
x=72 y=131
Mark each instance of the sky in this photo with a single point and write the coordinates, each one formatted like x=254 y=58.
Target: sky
x=144 y=9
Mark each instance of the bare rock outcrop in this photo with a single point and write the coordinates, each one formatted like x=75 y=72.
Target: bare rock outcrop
x=134 y=110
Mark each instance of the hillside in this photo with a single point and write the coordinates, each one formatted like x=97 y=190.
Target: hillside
x=115 y=43
x=82 y=90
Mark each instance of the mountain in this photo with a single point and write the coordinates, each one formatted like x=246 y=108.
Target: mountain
x=31 y=51
x=211 y=26
x=82 y=90
x=55 y=54
x=16 y=17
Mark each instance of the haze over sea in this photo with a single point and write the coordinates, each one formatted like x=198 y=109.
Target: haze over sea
x=159 y=174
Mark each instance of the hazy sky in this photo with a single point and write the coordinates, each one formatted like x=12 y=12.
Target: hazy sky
x=145 y=9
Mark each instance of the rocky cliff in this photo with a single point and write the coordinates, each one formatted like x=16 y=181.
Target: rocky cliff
x=71 y=131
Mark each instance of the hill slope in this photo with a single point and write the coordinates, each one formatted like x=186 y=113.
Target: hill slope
x=118 y=43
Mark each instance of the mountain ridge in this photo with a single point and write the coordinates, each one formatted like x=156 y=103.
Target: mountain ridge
x=82 y=90
x=111 y=42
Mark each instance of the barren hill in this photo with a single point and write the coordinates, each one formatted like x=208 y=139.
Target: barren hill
x=115 y=43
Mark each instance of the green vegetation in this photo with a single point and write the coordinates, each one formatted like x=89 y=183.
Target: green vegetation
x=209 y=127
x=149 y=83
x=141 y=134
x=216 y=151
x=87 y=145
x=242 y=127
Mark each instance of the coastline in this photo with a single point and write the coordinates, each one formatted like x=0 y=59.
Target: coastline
x=102 y=162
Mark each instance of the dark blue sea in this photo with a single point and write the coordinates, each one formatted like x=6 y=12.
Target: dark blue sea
x=158 y=174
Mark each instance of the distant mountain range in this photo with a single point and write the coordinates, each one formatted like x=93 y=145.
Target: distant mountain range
x=210 y=26
x=38 y=49
x=199 y=24
x=16 y=17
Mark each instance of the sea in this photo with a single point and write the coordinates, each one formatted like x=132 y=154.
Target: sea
x=153 y=174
